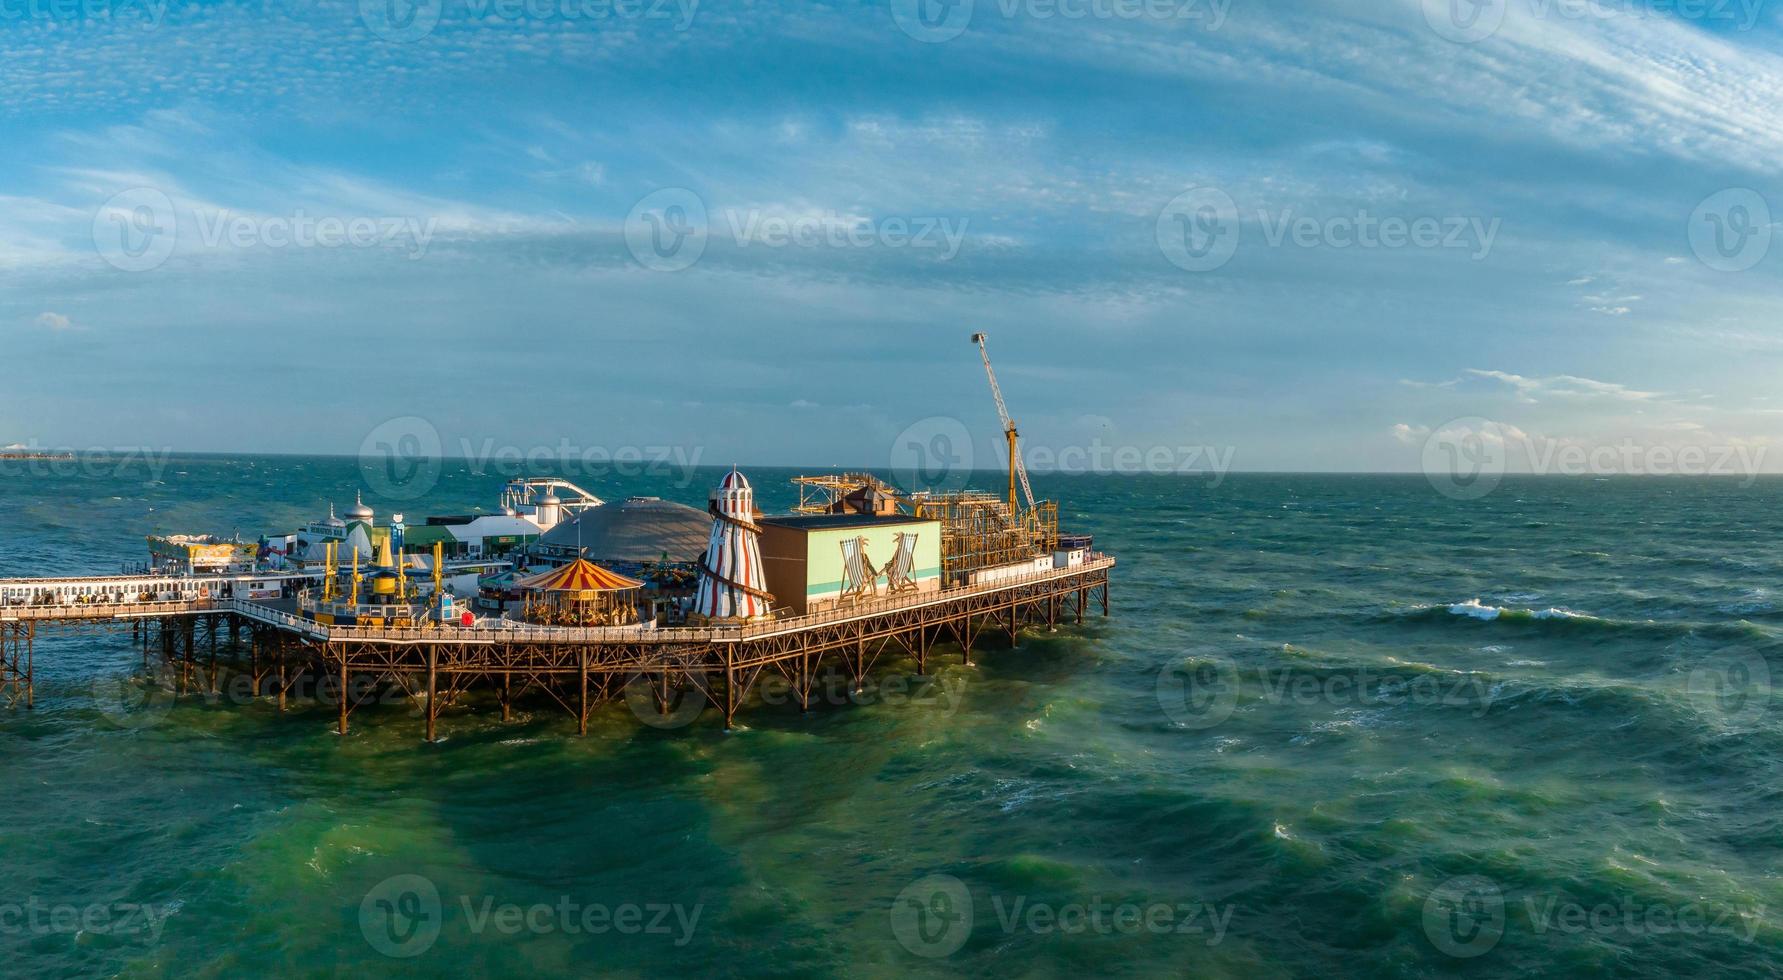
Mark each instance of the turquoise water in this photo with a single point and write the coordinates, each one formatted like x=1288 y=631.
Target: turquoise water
x=1335 y=725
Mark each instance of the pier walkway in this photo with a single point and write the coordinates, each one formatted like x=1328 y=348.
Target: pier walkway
x=578 y=668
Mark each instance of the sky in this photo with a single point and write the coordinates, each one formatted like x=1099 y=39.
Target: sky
x=1250 y=234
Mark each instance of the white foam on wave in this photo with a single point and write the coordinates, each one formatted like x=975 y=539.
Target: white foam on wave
x=1479 y=610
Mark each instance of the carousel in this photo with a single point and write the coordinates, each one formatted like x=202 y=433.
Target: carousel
x=579 y=594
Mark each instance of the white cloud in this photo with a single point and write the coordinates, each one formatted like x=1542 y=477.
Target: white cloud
x=54 y=321
x=1411 y=435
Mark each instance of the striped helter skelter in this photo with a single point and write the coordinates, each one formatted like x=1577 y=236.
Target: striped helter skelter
x=732 y=585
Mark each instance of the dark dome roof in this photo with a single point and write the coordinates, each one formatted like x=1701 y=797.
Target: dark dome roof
x=637 y=529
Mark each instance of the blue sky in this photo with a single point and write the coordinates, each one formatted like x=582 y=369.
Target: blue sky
x=879 y=180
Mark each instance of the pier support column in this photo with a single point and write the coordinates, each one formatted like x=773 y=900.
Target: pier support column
x=1013 y=621
x=1081 y=593
x=30 y=668
x=433 y=667
x=343 y=694
x=730 y=689
x=507 y=696
x=582 y=702
x=279 y=653
x=964 y=632
x=922 y=651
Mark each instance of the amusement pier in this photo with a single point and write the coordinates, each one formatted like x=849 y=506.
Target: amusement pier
x=563 y=597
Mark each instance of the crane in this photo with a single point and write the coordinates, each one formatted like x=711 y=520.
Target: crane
x=1017 y=469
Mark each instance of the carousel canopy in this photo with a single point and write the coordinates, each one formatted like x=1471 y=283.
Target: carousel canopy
x=580 y=575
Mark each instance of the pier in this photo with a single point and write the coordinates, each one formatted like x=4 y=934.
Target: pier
x=182 y=623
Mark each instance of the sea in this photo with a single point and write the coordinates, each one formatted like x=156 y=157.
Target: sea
x=1332 y=725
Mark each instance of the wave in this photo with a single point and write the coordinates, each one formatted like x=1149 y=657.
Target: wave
x=1479 y=610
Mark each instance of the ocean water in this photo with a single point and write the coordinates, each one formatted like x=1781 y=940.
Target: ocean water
x=1335 y=725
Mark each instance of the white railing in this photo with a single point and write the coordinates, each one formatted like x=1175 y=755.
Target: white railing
x=518 y=633
x=204 y=595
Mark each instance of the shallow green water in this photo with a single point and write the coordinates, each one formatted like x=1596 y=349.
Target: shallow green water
x=1335 y=725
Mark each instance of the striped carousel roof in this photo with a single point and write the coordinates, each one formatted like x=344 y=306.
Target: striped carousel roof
x=580 y=575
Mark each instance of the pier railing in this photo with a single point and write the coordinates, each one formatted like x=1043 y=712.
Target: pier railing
x=511 y=632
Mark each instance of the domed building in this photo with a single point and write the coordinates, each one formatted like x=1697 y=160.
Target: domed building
x=634 y=533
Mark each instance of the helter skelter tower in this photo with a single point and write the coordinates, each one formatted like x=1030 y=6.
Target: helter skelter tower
x=731 y=580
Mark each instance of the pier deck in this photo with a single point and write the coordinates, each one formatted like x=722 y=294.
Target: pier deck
x=576 y=668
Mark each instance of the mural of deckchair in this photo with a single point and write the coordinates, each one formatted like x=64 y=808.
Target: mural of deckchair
x=897 y=571
x=859 y=576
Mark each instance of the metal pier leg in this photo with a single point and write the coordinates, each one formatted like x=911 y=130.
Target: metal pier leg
x=433 y=667
x=343 y=694
x=582 y=703
x=1013 y=640
x=1081 y=593
x=507 y=696
x=279 y=652
x=30 y=669
x=730 y=690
